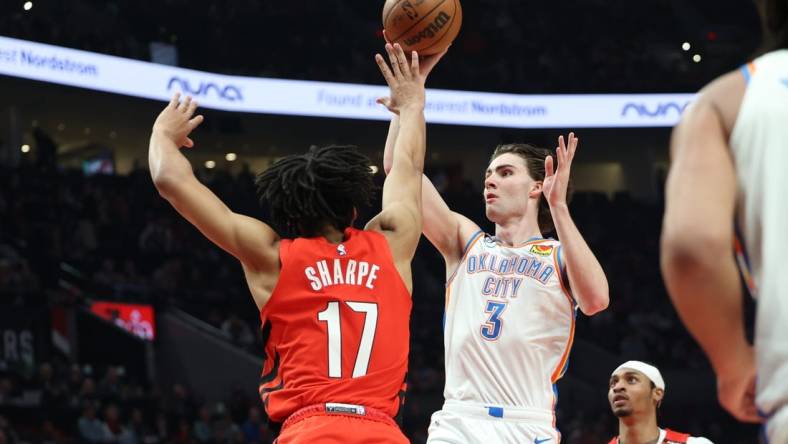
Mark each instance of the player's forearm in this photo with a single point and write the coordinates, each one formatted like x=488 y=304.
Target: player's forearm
x=411 y=139
x=586 y=277
x=391 y=140
x=168 y=165
x=702 y=280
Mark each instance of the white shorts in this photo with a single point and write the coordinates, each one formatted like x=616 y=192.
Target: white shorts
x=468 y=423
x=777 y=427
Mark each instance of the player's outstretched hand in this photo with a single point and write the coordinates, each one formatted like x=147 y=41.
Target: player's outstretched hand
x=176 y=122
x=736 y=388
x=404 y=78
x=556 y=179
x=426 y=63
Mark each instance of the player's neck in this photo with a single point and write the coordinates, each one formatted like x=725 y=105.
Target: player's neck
x=516 y=230
x=638 y=430
x=332 y=235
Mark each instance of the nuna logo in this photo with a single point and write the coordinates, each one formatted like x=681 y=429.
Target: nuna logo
x=230 y=93
x=661 y=109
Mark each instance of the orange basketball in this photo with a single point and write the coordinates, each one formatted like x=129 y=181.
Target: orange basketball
x=426 y=26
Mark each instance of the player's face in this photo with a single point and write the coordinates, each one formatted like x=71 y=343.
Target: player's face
x=630 y=392
x=507 y=186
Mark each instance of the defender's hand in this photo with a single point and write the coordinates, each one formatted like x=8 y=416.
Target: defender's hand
x=176 y=122
x=405 y=81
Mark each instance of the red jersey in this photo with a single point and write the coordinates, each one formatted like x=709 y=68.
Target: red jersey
x=336 y=326
x=671 y=437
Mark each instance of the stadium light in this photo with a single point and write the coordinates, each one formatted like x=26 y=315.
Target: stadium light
x=28 y=6
x=686 y=46
x=374 y=169
x=25 y=148
x=210 y=164
x=696 y=58
x=230 y=157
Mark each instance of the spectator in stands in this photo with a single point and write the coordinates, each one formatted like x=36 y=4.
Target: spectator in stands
x=91 y=429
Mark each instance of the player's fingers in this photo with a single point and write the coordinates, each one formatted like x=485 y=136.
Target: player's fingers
x=548 y=166
x=384 y=69
x=192 y=108
x=414 y=63
x=402 y=59
x=185 y=104
x=188 y=143
x=394 y=62
x=573 y=146
x=195 y=122
x=176 y=98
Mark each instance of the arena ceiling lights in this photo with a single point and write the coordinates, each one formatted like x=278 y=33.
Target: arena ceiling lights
x=82 y=69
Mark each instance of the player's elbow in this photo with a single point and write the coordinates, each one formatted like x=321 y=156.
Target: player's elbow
x=596 y=302
x=685 y=253
x=166 y=184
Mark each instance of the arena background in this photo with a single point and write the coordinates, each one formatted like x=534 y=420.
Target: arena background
x=83 y=232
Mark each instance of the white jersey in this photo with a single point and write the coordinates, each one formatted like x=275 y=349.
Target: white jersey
x=509 y=325
x=759 y=142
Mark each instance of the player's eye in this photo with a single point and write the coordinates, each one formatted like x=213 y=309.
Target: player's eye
x=506 y=173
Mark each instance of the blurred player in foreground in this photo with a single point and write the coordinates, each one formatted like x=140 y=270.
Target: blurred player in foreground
x=728 y=186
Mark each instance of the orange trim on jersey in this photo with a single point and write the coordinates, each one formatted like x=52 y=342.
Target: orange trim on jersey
x=558 y=372
x=751 y=67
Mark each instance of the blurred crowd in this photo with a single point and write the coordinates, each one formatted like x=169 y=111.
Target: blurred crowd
x=69 y=402
x=522 y=46
x=131 y=246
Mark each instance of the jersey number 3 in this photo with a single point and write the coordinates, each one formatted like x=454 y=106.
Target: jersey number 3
x=491 y=329
x=331 y=316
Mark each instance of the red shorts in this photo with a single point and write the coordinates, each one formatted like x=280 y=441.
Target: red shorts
x=340 y=424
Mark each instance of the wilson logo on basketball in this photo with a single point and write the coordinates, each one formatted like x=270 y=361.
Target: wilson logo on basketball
x=431 y=30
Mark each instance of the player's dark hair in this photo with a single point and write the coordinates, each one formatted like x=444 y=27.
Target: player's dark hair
x=774 y=18
x=307 y=192
x=534 y=158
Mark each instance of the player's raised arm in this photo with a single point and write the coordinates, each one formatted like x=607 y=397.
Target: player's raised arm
x=696 y=258
x=447 y=231
x=248 y=239
x=401 y=216
x=586 y=277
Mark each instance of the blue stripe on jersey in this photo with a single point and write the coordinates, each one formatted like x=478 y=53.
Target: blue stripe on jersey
x=496 y=412
x=746 y=72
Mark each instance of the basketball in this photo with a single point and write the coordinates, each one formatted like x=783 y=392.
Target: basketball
x=426 y=26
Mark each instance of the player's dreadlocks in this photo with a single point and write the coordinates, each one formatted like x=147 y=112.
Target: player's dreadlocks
x=322 y=187
x=534 y=161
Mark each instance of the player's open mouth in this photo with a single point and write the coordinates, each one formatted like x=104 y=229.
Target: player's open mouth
x=490 y=197
x=619 y=398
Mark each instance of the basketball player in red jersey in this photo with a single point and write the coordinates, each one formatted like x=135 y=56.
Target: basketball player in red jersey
x=334 y=300
x=635 y=393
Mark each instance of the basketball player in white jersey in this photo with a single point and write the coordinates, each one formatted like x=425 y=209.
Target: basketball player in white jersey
x=510 y=314
x=728 y=185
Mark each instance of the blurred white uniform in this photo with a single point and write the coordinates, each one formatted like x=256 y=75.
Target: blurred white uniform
x=508 y=330
x=760 y=149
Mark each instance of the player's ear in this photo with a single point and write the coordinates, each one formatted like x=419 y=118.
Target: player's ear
x=657 y=394
x=536 y=189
